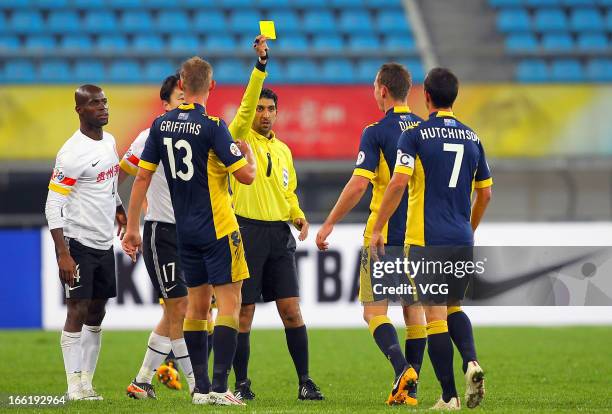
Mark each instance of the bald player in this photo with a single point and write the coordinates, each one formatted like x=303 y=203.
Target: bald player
x=81 y=209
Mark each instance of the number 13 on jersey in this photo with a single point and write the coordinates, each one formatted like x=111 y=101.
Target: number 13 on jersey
x=180 y=144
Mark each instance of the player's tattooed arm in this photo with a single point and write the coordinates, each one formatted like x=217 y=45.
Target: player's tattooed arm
x=65 y=262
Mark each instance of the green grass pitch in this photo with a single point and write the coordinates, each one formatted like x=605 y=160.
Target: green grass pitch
x=565 y=369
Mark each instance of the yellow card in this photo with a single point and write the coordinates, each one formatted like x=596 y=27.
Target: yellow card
x=266 y=27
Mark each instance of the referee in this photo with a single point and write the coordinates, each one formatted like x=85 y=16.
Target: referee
x=262 y=210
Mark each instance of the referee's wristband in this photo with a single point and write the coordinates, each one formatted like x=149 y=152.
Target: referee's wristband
x=261 y=66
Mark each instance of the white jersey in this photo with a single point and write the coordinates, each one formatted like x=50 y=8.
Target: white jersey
x=86 y=172
x=158 y=196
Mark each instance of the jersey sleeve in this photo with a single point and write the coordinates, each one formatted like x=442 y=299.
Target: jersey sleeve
x=225 y=148
x=68 y=169
x=241 y=124
x=369 y=154
x=295 y=212
x=151 y=154
x=482 y=178
x=406 y=152
x=129 y=162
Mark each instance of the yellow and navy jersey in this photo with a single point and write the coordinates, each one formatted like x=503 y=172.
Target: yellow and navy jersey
x=446 y=161
x=197 y=152
x=375 y=161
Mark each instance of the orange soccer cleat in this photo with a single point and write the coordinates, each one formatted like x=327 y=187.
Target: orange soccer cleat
x=169 y=376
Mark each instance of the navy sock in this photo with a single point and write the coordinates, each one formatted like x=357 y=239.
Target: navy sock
x=241 y=359
x=297 y=343
x=196 y=339
x=226 y=338
x=386 y=338
x=460 y=330
x=416 y=341
x=440 y=349
x=211 y=338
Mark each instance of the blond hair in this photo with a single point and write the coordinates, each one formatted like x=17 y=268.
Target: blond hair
x=196 y=74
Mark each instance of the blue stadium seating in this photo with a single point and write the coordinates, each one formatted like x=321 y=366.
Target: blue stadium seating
x=328 y=43
x=125 y=71
x=275 y=4
x=231 y=71
x=157 y=70
x=147 y=43
x=513 y=20
x=309 y=4
x=100 y=21
x=89 y=70
x=319 y=21
x=12 y=4
x=586 y=20
x=112 y=43
x=184 y=43
x=363 y=43
x=293 y=42
x=285 y=21
x=548 y=20
x=9 y=43
x=302 y=70
x=347 y=4
x=172 y=21
x=521 y=42
x=135 y=21
x=25 y=21
x=3 y=23
x=19 y=71
x=242 y=21
x=276 y=72
x=567 y=70
x=355 y=21
x=416 y=69
x=125 y=4
x=54 y=71
x=506 y=3
x=39 y=42
x=366 y=70
x=392 y=22
x=599 y=70
x=76 y=43
x=209 y=21
x=88 y=4
x=533 y=70
x=399 y=43
x=219 y=43
x=593 y=41
x=557 y=41
x=387 y=4
x=541 y=3
x=52 y=4
x=575 y=3
x=609 y=20
x=63 y=21
x=338 y=71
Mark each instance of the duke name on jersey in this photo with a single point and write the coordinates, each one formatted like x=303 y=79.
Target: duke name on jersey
x=377 y=154
x=446 y=161
x=197 y=152
x=87 y=170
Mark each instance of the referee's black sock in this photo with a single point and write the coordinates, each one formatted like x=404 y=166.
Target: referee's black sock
x=226 y=337
x=460 y=330
x=386 y=338
x=297 y=343
x=196 y=339
x=241 y=359
x=440 y=349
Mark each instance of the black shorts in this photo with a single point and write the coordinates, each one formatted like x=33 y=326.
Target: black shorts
x=270 y=254
x=95 y=274
x=161 y=259
x=444 y=274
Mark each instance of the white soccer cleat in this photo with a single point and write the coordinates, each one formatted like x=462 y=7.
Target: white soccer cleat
x=453 y=404
x=474 y=384
x=91 y=395
x=224 y=398
x=200 y=399
x=74 y=396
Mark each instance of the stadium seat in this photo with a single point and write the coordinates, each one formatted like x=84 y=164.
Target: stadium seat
x=295 y=42
x=172 y=21
x=416 y=69
x=147 y=43
x=513 y=20
x=218 y=42
x=76 y=43
x=302 y=71
x=88 y=4
x=319 y=21
x=550 y=20
x=54 y=71
x=578 y=3
x=521 y=42
x=366 y=70
x=235 y=4
x=9 y=43
x=387 y=4
x=52 y=4
x=363 y=43
x=355 y=21
x=102 y=21
x=63 y=22
x=399 y=43
x=242 y=21
x=593 y=41
x=184 y=43
x=3 y=23
x=183 y=5
x=157 y=70
x=245 y=43
x=231 y=71
x=23 y=21
x=309 y=4
x=338 y=71
x=557 y=41
x=275 y=4
x=542 y=3
x=112 y=43
x=609 y=20
x=599 y=70
x=531 y=71
x=389 y=22
x=125 y=4
x=327 y=43
x=506 y=3
x=285 y=21
x=40 y=42
x=19 y=71
x=276 y=72
x=582 y=20
x=566 y=70
x=88 y=70
x=12 y=4
x=124 y=71
x=346 y=4
x=207 y=21
x=136 y=21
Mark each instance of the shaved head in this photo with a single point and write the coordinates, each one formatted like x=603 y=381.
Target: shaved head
x=84 y=92
x=91 y=105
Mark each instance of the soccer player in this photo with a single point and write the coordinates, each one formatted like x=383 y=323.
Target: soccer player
x=377 y=154
x=442 y=161
x=197 y=152
x=82 y=206
x=262 y=210
x=159 y=248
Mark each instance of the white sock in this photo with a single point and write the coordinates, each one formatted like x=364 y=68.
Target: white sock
x=71 y=351
x=158 y=348
x=91 y=339
x=179 y=347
